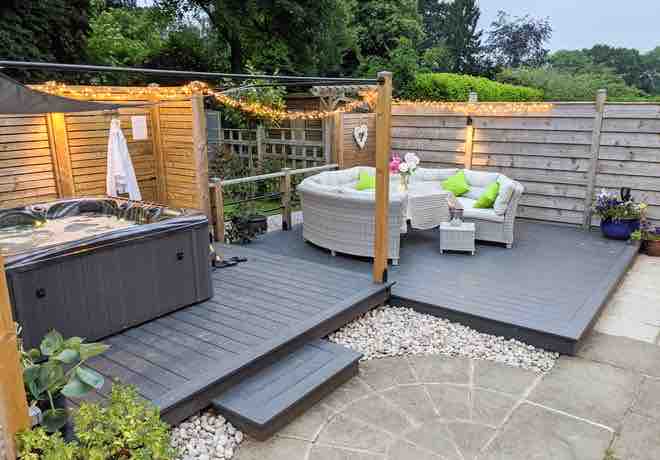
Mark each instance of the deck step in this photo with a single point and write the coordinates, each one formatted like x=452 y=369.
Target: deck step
x=270 y=399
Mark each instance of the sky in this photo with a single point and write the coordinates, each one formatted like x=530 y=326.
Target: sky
x=584 y=23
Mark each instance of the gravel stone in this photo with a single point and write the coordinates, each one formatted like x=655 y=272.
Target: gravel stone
x=399 y=331
x=207 y=436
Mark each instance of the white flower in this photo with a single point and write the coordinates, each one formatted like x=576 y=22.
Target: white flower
x=403 y=167
x=412 y=159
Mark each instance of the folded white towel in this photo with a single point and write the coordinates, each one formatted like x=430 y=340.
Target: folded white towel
x=121 y=175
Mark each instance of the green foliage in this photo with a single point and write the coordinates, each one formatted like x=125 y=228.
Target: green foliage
x=436 y=59
x=564 y=86
x=462 y=38
x=402 y=61
x=57 y=368
x=37 y=444
x=53 y=30
x=519 y=41
x=128 y=428
x=452 y=87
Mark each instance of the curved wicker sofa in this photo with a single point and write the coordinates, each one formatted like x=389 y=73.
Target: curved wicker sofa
x=338 y=217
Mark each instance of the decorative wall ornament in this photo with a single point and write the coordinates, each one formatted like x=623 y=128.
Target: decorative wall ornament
x=361 y=133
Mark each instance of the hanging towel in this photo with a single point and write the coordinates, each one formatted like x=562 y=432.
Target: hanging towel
x=121 y=175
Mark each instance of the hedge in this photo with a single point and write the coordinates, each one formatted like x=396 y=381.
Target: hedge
x=454 y=87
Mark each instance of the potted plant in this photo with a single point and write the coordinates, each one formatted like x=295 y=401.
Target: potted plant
x=619 y=214
x=246 y=225
x=55 y=371
x=649 y=235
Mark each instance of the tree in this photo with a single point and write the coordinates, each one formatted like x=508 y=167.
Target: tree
x=462 y=38
x=54 y=30
x=519 y=41
x=433 y=14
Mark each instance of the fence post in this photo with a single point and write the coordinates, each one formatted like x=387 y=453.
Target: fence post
x=285 y=189
x=218 y=211
x=13 y=402
x=338 y=140
x=157 y=141
x=469 y=143
x=261 y=139
x=327 y=139
x=200 y=151
x=59 y=144
x=383 y=140
x=601 y=98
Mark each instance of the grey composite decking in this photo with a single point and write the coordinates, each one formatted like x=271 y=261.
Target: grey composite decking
x=547 y=290
x=262 y=310
x=265 y=402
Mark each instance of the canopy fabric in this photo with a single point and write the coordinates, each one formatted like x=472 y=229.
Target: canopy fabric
x=18 y=99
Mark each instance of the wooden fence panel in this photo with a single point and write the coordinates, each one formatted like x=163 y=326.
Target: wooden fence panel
x=26 y=165
x=351 y=154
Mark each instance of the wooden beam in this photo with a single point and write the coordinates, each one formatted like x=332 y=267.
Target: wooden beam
x=338 y=140
x=200 y=152
x=383 y=140
x=601 y=98
x=469 y=143
x=13 y=402
x=285 y=189
x=59 y=145
x=157 y=142
x=218 y=213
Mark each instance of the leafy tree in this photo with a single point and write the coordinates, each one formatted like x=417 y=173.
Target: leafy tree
x=433 y=14
x=54 y=30
x=402 y=61
x=519 y=41
x=463 y=40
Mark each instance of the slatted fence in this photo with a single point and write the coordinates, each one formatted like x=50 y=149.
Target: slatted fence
x=563 y=155
x=45 y=157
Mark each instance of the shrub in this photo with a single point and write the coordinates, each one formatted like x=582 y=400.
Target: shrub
x=453 y=87
x=128 y=428
x=38 y=445
x=564 y=86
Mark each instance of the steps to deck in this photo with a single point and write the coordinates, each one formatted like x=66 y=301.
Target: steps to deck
x=262 y=404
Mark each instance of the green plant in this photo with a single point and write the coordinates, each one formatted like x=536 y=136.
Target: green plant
x=57 y=368
x=609 y=206
x=453 y=87
x=128 y=428
x=37 y=444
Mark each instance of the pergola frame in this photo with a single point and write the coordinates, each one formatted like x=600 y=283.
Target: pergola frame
x=13 y=402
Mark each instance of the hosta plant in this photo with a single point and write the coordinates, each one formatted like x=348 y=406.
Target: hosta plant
x=57 y=368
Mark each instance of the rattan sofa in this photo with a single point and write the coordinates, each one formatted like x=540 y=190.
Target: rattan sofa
x=340 y=218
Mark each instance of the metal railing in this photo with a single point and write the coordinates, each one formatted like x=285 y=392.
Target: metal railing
x=218 y=204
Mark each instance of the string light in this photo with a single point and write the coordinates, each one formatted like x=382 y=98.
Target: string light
x=259 y=110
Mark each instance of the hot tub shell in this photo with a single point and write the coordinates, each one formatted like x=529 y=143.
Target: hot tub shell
x=100 y=285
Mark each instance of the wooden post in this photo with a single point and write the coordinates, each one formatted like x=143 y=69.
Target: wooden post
x=601 y=98
x=383 y=134
x=469 y=143
x=218 y=212
x=261 y=146
x=13 y=402
x=338 y=140
x=157 y=142
x=285 y=188
x=200 y=151
x=59 y=143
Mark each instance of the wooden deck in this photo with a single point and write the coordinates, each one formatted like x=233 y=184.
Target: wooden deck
x=547 y=290
x=263 y=309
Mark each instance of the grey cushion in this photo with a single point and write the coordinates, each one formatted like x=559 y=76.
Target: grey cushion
x=469 y=211
x=480 y=178
x=506 y=191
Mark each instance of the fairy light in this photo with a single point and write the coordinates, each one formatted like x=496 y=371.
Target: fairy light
x=259 y=110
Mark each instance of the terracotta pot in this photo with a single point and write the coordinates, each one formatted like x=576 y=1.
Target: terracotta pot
x=653 y=248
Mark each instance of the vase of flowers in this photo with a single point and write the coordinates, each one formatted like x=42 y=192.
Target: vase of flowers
x=620 y=215
x=405 y=168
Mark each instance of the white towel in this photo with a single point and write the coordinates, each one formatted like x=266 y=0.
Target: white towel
x=121 y=175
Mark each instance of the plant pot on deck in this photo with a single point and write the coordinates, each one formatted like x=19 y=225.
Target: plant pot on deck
x=652 y=248
x=257 y=223
x=619 y=229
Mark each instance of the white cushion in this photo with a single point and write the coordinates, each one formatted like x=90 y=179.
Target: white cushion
x=474 y=193
x=431 y=174
x=507 y=187
x=480 y=178
x=469 y=211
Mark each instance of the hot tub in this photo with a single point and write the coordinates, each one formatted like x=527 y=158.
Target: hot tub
x=93 y=267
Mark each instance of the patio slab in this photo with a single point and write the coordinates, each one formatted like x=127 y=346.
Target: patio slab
x=547 y=291
x=491 y=412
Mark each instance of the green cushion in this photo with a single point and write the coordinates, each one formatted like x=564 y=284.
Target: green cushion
x=456 y=184
x=487 y=199
x=365 y=181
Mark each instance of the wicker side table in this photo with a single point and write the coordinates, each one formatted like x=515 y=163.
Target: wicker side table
x=457 y=238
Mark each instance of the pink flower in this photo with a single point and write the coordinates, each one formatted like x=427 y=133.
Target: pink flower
x=394 y=164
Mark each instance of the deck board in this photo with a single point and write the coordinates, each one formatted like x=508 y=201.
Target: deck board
x=548 y=289
x=262 y=310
